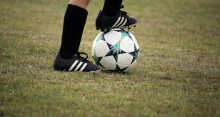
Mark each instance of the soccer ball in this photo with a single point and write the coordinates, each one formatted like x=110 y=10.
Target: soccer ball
x=116 y=50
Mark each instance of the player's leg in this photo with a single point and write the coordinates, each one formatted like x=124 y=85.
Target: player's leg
x=68 y=58
x=112 y=17
x=111 y=7
x=74 y=21
x=81 y=3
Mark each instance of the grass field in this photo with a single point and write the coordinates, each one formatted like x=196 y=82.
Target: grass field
x=178 y=72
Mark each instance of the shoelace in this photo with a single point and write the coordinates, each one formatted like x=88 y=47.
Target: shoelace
x=122 y=12
x=78 y=54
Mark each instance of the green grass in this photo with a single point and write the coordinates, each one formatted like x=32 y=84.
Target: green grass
x=178 y=72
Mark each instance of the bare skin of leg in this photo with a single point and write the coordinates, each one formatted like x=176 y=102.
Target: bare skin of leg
x=80 y=3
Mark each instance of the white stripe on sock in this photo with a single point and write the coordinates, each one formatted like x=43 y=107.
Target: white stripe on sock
x=73 y=65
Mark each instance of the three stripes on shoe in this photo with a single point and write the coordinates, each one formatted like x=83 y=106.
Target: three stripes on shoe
x=78 y=66
x=121 y=21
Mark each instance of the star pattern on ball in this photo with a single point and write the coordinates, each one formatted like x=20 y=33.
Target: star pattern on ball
x=115 y=50
x=134 y=54
x=97 y=59
x=125 y=33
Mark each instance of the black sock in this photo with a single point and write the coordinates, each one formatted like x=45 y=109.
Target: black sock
x=74 y=22
x=111 y=7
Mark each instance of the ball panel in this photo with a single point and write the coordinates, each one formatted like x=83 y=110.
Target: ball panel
x=134 y=40
x=124 y=59
x=104 y=49
x=108 y=62
x=99 y=37
x=112 y=37
x=123 y=66
x=97 y=41
x=131 y=66
x=127 y=45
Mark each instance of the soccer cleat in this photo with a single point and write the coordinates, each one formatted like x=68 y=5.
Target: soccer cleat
x=76 y=63
x=120 y=20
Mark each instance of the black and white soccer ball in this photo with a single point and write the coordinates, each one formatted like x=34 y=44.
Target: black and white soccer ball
x=116 y=50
